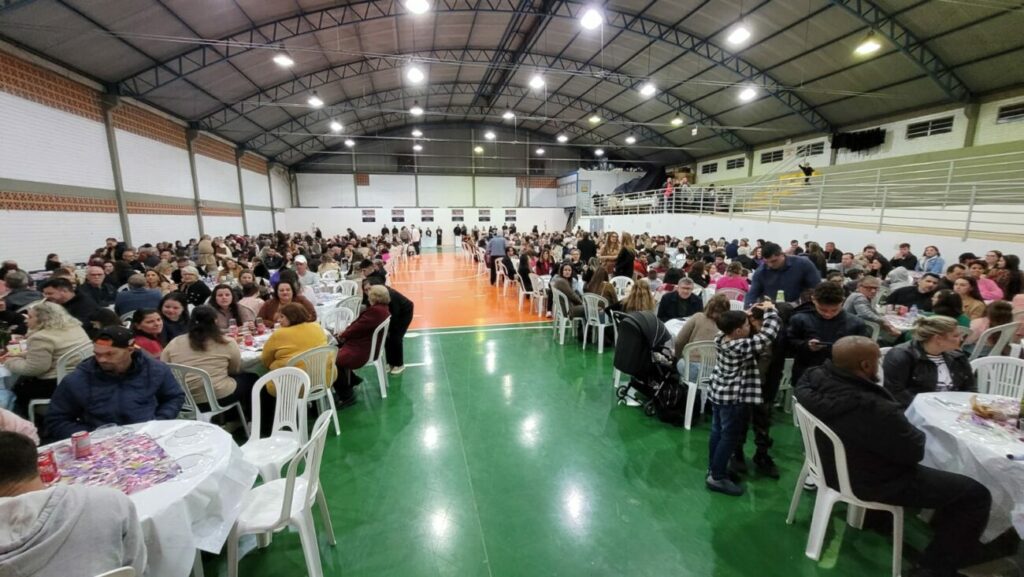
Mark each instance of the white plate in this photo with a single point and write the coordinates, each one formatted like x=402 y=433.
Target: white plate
x=188 y=436
x=193 y=465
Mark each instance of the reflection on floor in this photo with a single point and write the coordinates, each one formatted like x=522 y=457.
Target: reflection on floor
x=500 y=453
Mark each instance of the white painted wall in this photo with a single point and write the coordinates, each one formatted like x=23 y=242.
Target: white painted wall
x=604 y=182
x=543 y=197
x=385 y=190
x=445 y=191
x=723 y=172
x=28 y=236
x=154 y=228
x=259 y=221
x=496 y=191
x=326 y=190
x=846 y=238
x=256 y=187
x=222 y=225
x=279 y=188
x=281 y=220
x=336 y=220
x=897 y=144
x=988 y=132
x=217 y=180
x=43 y=144
x=152 y=167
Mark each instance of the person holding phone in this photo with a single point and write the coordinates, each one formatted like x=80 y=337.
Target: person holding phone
x=811 y=331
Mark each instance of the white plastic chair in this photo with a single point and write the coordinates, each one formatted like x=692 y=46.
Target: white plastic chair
x=288 y=433
x=826 y=497
x=348 y=288
x=538 y=297
x=1005 y=332
x=706 y=354
x=318 y=363
x=352 y=303
x=622 y=285
x=191 y=408
x=65 y=363
x=561 y=321
x=733 y=294
x=331 y=276
x=380 y=335
x=786 y=387
x=592 y=307
x=336 y=320
x=288 y=502
x=482 y=262
x=122 y=572
x=502 y=276
x=875 y=329
x=522 y=290
x=30 y=306
x=1000 y=376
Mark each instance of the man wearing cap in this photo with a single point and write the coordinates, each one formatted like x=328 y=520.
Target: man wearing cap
x=306 y=276
x=119 y=385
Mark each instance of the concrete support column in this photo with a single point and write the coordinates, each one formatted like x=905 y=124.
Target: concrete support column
x=110 y=102
x=971 y=111
x=270 y=189
x=191 y=135
x=241 y=189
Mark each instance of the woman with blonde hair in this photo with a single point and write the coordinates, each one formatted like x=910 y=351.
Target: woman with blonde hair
x=931 y=362
x=626 y=259
x=639 y=298
x=157 y=281
x=51 y=333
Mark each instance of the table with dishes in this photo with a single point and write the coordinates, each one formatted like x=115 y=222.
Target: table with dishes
x=899 y=322
x=675 y=325
x=978 y=436
x=187 y=480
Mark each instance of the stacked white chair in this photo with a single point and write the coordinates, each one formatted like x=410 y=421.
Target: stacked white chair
x=826 y=497
x=288 y=433
x=592 y=307
x=622 y=285
x=706 y=354
x=190 y=410
x=1000 y=376
x=288 y=502
x=318 y=363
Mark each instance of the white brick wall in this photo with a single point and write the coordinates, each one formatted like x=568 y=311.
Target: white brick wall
x=257 y=189
x=259 y=221
x=222 y=225
x=279 y=188
x=154 y=228
x=326 y=190
x=28 y=236
x=152 y=167
x=217 y=180
x=387 y=190
x=42 y=144
x=444 y=191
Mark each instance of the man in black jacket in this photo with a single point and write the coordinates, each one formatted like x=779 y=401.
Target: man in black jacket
x=811 y=333
x=883 y=454
x=681 y=303
x=61 y=291
x=904 y=258
x=401 y=309
x=587 y=246
x=919 y=295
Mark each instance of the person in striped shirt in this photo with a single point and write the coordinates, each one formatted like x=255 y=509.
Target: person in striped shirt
x=735 y=386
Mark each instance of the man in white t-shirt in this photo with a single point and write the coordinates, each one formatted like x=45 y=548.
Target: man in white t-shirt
x=415 y=232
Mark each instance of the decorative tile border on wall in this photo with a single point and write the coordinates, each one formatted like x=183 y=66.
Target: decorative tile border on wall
x=30 y=201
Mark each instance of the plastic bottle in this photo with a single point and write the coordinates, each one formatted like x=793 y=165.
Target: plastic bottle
x=912 y=314
x=780 y=296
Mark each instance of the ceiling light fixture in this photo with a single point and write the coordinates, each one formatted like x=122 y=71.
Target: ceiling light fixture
x=594 y=119
x=314 y=100
x=748 y=94
x=416 y=110
x=591 y=18
x=678 y=121
x=739 y=35
x=630 y=139
x=350 y=143
x=537 y=82
x=416 y=6
x=415 y=74
x=416 y=133
x=562 y=138
x=489 y=135
x=479 y=150
x=869 y=45
x=694 y=131
x=509 y=115
x=417 y=148
x=540 y=152
x=648 y=89
x=336 y=126
x=283 y=60
x=599 y=152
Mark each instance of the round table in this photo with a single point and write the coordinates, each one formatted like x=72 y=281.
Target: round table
x=958 y=445
x=900 y=323
x=196 y=510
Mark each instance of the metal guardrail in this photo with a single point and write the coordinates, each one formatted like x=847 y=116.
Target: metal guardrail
x=978 y=197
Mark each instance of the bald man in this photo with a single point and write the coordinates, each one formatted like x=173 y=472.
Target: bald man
x=883 y=453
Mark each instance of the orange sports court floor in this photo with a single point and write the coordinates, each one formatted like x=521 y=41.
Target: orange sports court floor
x=449 y=291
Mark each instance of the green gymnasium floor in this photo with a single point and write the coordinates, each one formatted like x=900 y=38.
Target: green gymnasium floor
x=499 y=453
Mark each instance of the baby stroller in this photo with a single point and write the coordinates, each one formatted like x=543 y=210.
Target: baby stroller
x=643 y=351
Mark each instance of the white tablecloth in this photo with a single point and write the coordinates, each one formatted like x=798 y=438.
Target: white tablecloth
x=899 y=323
x=955 y=445
x=674 y=326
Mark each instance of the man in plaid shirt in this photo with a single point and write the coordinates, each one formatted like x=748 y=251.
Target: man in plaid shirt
x=735 y=385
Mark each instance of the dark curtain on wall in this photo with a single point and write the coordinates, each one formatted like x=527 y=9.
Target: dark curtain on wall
x=857 y=141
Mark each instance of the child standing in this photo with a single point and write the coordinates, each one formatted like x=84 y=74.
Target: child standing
x=735 y=386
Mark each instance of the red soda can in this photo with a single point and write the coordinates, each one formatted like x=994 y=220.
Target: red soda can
x=81 y=445
x=48 y=472
x=248 y=340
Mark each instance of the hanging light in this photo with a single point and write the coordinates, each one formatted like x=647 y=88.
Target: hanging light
x=648 y=89
x=870 y=44
x=599 y=152
x=489 y=135
x=677 y=121
x=739 y=35
x=748 y=94
x=416 y=133
x=416 y=110
x=417 y=148
x=414 y=74
x=508 y=115
x=539 y=152
x=594 y=119
x=630 y=139
x=562 y=138
x=537 y=82
x=349 y=142
x=336 y=126
x=694 y=131
x=314 y=100
x=591 y=18
x=478 y=150
x=283 y=60
x=416 y=6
